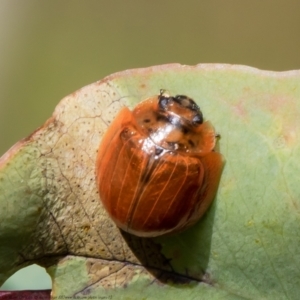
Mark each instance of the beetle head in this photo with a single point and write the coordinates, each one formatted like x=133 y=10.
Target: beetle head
x=181 y=108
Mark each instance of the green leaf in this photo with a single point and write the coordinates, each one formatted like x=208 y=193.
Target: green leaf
x=245 y=247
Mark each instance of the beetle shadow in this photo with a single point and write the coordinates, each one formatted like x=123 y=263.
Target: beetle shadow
x=180 y=258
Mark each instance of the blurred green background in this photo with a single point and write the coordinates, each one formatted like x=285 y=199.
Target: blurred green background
x=52 y=48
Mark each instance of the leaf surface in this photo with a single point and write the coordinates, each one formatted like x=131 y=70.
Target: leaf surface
x=245 y=247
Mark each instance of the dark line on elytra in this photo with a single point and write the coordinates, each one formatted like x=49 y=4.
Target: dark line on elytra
x=182 y=184
x=161 y=162
x=152 y=162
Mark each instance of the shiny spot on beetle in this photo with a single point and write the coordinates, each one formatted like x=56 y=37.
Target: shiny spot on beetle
x=157 y=168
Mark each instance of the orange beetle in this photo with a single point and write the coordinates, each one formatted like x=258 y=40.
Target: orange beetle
x=157 y=171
